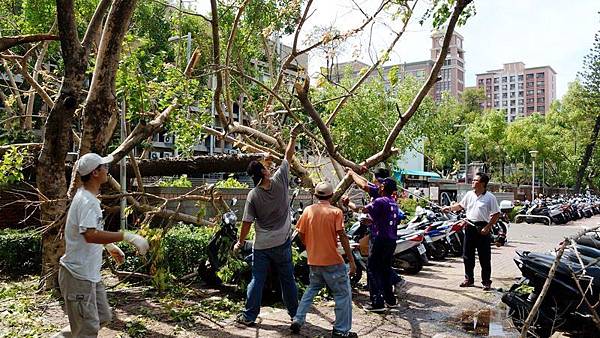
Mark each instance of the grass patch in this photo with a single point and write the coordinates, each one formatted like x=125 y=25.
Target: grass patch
x=22 y=310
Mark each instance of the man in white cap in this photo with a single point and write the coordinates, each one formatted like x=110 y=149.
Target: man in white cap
x=79 y=273
x=320 y=226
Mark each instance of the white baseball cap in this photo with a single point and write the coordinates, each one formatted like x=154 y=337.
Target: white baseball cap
x=90 y=161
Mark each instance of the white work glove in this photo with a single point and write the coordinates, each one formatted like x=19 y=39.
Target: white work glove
x=138 y=241
x=115 y=252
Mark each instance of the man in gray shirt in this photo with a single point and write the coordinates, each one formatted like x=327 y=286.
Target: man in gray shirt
x=267 y=206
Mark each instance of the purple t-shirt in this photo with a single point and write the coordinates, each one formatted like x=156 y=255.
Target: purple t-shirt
x=384 y=213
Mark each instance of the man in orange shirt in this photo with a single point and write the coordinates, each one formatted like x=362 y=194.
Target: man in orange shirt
x=320 y=225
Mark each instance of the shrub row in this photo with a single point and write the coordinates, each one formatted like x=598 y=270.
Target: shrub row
x=20 y=252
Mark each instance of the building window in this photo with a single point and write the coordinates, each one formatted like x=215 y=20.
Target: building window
x=512 y=86
x=447 y=62
x=504 y=103
x=480 y=82
x=512 y=94
x=512 y=102
x=488 y=81
x=541 y=109
x=496 y=80
x=521 y=102
x=504 y=87
x=496 y=96
x=541 y=100
x=530 y=84
x=520 y=93
x=539 y=83
x=530 y=92
x=539 y=75
x=504 y=95
x=504 y=79
x=530 y=76
x=460 y=64
x=520 y=110
x=530 y=100
x=496 y=88
x=489 y=89
x=540 y=92
x=512 y=78
x=513 y=111
x=520 y=77
x=530 y=109
x=520 y=86
x=496 y=103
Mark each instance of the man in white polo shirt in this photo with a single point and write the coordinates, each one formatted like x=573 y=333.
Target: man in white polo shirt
x=482 y=211
x=79 y=274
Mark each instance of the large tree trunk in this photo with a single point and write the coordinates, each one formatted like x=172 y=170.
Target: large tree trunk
x=50 y=178
x=587 y=155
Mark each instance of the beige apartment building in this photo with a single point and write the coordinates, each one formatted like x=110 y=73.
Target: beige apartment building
x=452 y=73
x=518 y=90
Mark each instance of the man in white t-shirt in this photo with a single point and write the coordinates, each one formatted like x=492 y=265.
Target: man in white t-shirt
x=79 y=273
x=482 y=211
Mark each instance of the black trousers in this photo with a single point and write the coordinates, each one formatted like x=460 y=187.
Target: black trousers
x=476 y=241
x=380 y=273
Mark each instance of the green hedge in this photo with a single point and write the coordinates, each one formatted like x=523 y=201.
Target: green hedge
x=183 y=249
x=20 y=252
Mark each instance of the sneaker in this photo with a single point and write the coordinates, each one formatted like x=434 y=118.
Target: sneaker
x=466 y=283
x=295 y=327
x=399 y=287
x=241 y=319
x=487 y=286
x=392 y=306
x=376 y=309
x=349 y=334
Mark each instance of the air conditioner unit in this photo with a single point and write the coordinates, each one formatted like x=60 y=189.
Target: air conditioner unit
x=155 y=155
x=167 y=154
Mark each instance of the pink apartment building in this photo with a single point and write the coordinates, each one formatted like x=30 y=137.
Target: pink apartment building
x=518 y=90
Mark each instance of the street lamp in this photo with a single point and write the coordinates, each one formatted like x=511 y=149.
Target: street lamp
x=533 y=156
x=466 y=152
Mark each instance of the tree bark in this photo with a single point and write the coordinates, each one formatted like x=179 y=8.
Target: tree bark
x=587 y=155
x=50 y=171
x=11 y=41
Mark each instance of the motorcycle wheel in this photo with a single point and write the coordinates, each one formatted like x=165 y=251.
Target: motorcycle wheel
x=438 y=251
x=415 y=265
x=355 y=280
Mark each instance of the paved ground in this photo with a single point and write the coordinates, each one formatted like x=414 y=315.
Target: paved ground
x=433 y=304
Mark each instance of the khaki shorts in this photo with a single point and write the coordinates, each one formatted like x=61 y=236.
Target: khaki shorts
x=85 y=304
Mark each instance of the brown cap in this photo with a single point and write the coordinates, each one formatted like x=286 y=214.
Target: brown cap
x=323 y=189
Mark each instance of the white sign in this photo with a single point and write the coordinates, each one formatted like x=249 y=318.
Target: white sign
x=433 y=193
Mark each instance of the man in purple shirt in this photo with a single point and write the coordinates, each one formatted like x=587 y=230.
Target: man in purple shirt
x=384 y=213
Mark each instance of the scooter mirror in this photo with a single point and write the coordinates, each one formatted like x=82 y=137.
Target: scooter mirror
x=234 y=201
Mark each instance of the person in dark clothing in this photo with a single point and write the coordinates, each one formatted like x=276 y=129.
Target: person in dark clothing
x=384 y=213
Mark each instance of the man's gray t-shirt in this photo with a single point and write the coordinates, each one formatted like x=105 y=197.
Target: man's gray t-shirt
x=270 y=211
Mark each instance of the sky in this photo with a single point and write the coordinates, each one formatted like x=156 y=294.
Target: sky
x=536 y=32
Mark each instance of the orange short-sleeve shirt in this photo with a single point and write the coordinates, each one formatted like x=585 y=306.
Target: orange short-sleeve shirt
x=319 y=224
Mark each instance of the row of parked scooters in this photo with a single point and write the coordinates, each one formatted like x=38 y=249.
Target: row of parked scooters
x=429 y=235
x=559 y=209
x=564 y=307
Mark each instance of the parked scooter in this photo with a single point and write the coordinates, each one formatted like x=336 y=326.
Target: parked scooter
x=562 y=308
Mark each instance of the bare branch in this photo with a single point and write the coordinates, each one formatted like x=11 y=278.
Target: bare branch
x=94 y=28
x=11 y=41
x=364 y=77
